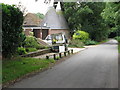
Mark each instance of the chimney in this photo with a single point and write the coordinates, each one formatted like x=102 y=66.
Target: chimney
x=58 y=8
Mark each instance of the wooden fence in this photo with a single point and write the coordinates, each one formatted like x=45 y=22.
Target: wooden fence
x=60 y=55
x=37 y=53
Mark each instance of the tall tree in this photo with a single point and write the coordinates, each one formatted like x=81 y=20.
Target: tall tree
x=86 y=16
x=111 y=15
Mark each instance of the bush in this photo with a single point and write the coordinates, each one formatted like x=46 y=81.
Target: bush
x=21 y=51
x=81 y=35
x=76 y=43
x=117 y=38
x=90 y=42
x=12 y=20
x=30 y=49
x=31 y=42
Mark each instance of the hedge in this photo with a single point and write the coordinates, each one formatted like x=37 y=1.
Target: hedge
x=12 y=20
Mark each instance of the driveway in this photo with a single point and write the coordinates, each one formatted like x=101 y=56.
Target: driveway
x=95 y=67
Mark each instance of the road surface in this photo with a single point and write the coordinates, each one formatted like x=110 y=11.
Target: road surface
x=95 y=67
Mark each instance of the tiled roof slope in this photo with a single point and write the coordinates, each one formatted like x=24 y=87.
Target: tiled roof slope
x=31 y=20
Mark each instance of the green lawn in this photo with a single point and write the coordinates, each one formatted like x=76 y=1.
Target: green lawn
x=13 y=69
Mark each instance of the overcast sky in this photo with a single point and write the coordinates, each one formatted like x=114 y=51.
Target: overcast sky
x=31 y=5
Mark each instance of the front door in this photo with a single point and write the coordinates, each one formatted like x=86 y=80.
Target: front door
x=37 y=33
x=44 y=33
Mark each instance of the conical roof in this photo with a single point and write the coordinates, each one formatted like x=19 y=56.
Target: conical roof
x=54 y=19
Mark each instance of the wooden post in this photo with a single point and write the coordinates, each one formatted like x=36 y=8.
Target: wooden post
x=68 y=52
x=72 y=51
x=60 y=55
x=54 y=56
x=47 y=57
x=64 y=53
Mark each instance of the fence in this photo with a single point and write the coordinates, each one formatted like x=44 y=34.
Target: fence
x=60 y=55
x=37 y=53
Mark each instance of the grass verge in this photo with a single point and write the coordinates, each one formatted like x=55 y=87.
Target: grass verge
x=18 y=67
x=103 y=41
x=119 y=47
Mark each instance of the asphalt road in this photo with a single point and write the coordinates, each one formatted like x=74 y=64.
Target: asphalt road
x=95 y=67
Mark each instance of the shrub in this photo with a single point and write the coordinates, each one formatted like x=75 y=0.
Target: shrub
x=76 y=43
x=31 y=33
x=31 y=42
x=21 y=51
x=90 y=42
x=12 y=20
x=30 y=49
x=81 y=35
x=117 y=38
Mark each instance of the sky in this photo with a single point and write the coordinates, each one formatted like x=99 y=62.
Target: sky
x=31 y=5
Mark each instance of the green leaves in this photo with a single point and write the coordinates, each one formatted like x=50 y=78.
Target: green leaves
x=12 y=19
x=111 y=15
x=81 y=35
x=86 y=16
x=40 y=15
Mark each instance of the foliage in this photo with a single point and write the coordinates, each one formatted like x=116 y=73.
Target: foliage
x=103 y=41
x=30 y=49
x=76 y=43
x=18 y=67
x=12 y=20
x=21 y=51
x=22 y=37
x=90 y=42
x=81 y=35
x=119 y=47
x=31 y=33
x=30 y=41
x=117 y=38
x=40 y=15
x=86 y=16
x=22 y=8
x=111 y=15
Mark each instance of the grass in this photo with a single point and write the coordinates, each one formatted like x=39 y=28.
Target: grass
x=31 y=49
x=76 y=44
x=103 y=41
x=119 y=47
x=13 y=69
x=79 y=44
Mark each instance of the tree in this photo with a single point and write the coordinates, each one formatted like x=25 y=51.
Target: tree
x=111 y=15
x=86 y=16
x=40 y=15
x=22 y=8
x=12 y=20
